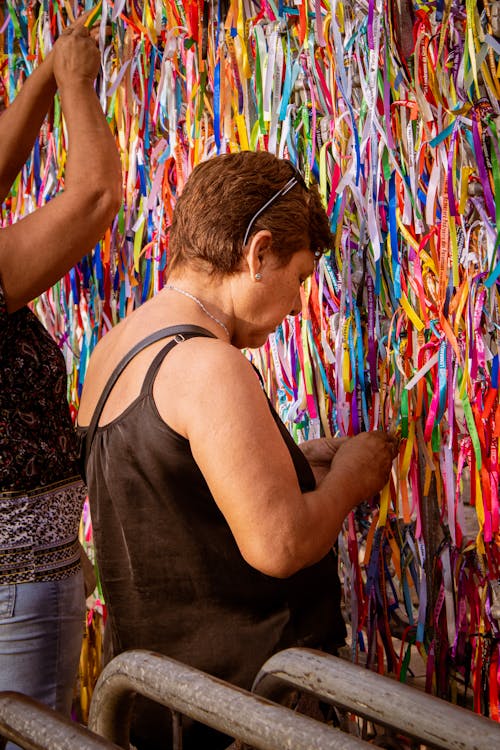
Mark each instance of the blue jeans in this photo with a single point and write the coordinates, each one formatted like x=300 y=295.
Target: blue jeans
x=41 y=631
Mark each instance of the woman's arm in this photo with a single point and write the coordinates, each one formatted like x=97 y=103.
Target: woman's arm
x=37 y=250
x=21 y=122
x=220 y=407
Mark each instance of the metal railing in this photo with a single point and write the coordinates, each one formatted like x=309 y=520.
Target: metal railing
x=379 y=699
x=253 y=717
x=206 y=699
x=36 y=727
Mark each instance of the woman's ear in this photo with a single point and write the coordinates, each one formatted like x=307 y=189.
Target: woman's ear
x=257 y=253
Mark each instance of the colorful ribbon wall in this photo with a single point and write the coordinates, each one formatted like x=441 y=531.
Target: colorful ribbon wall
x=394 y=110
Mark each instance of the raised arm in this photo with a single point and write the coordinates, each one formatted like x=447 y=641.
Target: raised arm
x=21 y=122
x=40 y=248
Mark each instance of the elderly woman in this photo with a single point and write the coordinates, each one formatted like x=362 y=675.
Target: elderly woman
x=214 y=541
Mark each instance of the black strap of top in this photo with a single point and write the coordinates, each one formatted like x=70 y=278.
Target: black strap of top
x=147 y=384
x=184 y=331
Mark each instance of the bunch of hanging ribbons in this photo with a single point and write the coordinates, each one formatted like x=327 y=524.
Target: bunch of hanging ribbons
x=393 y=109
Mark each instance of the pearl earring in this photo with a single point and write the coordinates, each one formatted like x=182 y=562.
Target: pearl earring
x=258 y=276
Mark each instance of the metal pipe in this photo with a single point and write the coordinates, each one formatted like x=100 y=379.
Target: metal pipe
x=33 y=726
x=380 y=699
x=211 y=701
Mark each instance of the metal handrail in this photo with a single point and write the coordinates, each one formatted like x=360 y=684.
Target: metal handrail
x=33 y=726
x=224 y=707
x=379 y=699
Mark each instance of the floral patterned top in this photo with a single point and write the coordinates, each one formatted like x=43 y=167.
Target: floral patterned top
x=38 y=443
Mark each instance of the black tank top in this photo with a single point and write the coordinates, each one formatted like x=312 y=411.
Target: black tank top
x=172 y=575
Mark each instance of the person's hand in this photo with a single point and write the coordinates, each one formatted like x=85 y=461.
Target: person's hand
x=320 y=452
x=81 y=20
x=75 y=55
x=94 y=27
x=367 y=459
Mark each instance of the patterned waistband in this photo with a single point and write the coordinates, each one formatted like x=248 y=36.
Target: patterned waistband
x=39 y=532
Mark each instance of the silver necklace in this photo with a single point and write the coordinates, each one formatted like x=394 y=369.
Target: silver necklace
x=200 y=304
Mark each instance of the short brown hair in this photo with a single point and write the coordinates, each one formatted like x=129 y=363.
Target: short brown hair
x=221 y=196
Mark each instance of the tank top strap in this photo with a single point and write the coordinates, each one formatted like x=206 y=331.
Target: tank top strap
x=181 y=332
x=152 y=371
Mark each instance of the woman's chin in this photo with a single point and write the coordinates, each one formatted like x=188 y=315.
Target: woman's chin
x=253 y=341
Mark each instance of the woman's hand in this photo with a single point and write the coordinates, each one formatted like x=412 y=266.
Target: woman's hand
x=75 y=56
x=320 y=453
x=366 y=459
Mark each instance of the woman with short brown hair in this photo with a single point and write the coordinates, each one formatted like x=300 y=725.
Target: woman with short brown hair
x=213 y=532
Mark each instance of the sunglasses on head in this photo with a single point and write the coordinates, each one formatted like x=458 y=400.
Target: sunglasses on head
x=297 y=179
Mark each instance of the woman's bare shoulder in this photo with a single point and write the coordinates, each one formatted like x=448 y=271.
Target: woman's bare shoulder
x=207 y=361
x=210 y=378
